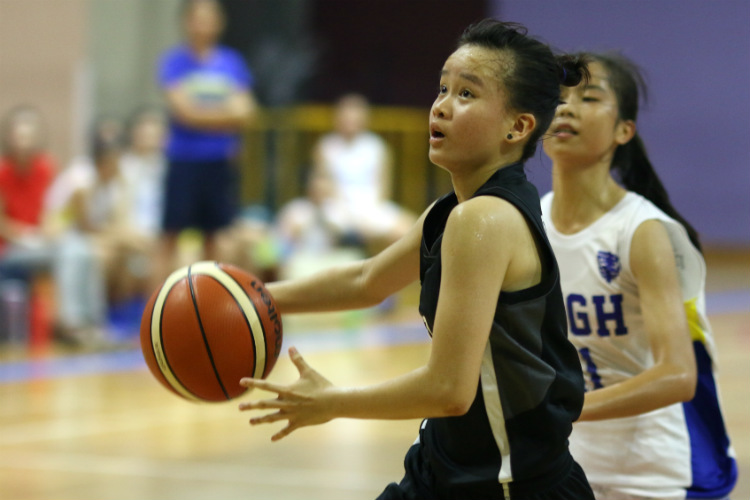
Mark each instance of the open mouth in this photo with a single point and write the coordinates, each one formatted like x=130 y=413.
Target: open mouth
x=564 y=130
x=435 y=132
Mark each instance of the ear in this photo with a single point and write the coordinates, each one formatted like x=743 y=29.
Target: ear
x=522 y=127
x=624 y=131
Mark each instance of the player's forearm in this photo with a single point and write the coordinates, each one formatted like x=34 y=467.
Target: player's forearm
x=339 y=288
x=417 y=394
x=655 y=388
x=233 y=116
x=217 y=120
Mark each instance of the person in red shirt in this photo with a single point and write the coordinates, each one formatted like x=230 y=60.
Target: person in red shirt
x=26 y=173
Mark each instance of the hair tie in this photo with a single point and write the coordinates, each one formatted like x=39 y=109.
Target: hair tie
x=565 y=74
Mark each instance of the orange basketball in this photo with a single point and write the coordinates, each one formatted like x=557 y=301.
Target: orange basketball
x=209 y=325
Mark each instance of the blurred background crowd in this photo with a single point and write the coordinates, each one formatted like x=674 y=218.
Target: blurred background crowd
x=321 y=126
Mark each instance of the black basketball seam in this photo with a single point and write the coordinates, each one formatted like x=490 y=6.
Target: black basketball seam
x=203 y=333
x=247 y=322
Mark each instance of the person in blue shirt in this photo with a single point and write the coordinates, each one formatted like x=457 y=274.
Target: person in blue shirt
x=207 y=87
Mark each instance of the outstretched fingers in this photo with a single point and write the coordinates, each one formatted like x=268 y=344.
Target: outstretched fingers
x=284 y=432
x=264 y=385
x=269 y=418
x=266 y=404
x=298 y=360
x=297 y=403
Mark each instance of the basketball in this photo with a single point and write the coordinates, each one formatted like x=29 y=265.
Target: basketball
x=206 y=327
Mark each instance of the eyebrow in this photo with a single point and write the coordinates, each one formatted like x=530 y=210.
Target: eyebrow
x=466 y=76
x=594 y=87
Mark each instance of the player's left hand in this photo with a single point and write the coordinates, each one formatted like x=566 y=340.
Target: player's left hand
x=301 y=403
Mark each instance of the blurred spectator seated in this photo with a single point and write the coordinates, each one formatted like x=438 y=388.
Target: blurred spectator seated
x=144 y=167
x=347 y=212
x=308 y=241
x=26 y=172
x=251 y=243
x=103 y=255
x=79 y=173
x=356 y=166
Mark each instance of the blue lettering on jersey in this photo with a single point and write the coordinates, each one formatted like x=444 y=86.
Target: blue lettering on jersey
x=578 y=321
x=609 y=265
x=615 y=315
x=578 y=318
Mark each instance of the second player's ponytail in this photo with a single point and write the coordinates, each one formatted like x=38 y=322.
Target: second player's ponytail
x=630 y=163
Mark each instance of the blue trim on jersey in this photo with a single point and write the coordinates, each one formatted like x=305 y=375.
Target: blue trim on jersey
x=714 y=471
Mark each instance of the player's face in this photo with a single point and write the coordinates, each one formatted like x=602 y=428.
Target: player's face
x=108 y=165
x=148 y=135
x=23 y=136
x=203 y=23
x=586 y=125
x=351 y=119
x=468 y=120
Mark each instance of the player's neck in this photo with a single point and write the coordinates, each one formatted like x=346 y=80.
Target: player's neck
x=22 y=162
x=202 y=51
x=468 y=178
x=582 y=196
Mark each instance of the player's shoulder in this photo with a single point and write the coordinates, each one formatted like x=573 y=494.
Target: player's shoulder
x=635 y=212
x=179 y=52
x=230 y=54
x=633 y=206
x=487 y=213
x=371 y=138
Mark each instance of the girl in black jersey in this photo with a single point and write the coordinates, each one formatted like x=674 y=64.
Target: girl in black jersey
x=502 y=385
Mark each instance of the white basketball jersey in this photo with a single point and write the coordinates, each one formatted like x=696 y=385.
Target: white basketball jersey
x=356 y=166
x=649 y=454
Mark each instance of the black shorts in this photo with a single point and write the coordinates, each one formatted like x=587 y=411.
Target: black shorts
x=418 y=484
x=200 y=194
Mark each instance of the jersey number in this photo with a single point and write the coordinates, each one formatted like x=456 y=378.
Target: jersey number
x=596 y=380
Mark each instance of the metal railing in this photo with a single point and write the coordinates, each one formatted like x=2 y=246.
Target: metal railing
x=278 y=147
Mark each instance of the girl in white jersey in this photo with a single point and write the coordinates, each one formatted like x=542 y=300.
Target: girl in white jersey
x=633 y=281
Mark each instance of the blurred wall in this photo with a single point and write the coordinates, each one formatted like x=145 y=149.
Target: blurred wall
x=696 y=55
x=389 y=50
x=125 y=42
x=43 y=63
x=77 y=59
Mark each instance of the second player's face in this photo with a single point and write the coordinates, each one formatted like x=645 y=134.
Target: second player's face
x=586 y=123
x=468 y=120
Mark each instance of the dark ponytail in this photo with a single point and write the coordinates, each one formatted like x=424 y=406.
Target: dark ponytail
x=630 y=163
x=531 y=75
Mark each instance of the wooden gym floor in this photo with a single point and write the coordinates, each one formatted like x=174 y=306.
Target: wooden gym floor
x=97 y=426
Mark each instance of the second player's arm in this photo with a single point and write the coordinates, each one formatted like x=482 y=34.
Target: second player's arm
x=672 y=378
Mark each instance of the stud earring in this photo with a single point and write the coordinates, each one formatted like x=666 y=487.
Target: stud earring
x=509 y=136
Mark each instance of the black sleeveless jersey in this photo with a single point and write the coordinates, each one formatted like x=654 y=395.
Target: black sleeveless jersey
x=514 y=438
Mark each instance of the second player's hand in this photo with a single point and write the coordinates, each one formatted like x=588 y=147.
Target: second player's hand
x=301 y=403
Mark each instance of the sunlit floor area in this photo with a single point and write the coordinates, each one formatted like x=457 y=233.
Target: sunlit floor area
x=98 y=426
